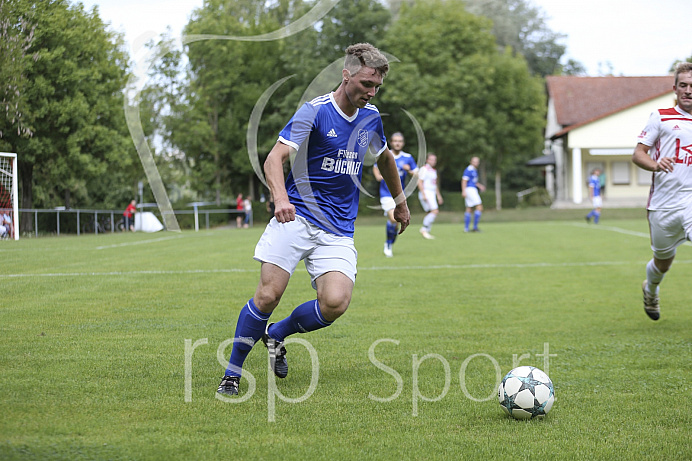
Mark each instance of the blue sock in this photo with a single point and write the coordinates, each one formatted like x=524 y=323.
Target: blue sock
x=476 y=219
x=251 y=324
x=596 y=217
x=391 y=232
x=467 y=220
x=304 y=318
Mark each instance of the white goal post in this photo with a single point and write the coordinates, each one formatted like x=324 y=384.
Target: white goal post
x=9 y=197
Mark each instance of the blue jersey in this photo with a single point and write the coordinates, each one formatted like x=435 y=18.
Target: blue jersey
x=402 y=159
x=324 y=181
x=595 y=182
x=471 y=176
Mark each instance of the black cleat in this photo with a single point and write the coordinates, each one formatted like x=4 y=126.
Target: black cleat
x=229 y=385
x=651 y=306
x=277 y=354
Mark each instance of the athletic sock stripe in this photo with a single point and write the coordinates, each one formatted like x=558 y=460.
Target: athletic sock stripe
x=256 y=313
x=319 y=315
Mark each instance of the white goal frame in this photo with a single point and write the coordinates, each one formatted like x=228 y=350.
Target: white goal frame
x=14 y=192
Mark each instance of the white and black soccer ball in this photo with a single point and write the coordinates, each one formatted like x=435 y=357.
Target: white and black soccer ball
x=526 y=393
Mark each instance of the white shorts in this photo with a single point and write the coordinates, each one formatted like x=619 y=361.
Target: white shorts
x=431 y=203
x=387 y=203
x=597 y=202
x=473 y=198
x=285 y=245
x=669 y=229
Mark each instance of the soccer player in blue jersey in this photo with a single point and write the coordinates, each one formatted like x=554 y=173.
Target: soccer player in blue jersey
x=469 y=190
x=406 y=165
x=595 y=196
x=315 y=210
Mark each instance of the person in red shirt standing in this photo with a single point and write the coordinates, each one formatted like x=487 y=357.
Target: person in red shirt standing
x=129 y=215
x=240 y=206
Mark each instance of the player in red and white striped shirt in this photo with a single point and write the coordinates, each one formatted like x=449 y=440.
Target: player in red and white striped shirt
x=665 y=148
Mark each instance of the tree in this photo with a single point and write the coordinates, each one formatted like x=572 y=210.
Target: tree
x=16 y=36
x=76 y=148
x=204 y=115
x=469 y=99
x=515 y=123
x=223 y=81
x=521 y=26
x=572 y=67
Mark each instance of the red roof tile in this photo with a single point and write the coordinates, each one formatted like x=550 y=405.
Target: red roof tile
x=581 y=99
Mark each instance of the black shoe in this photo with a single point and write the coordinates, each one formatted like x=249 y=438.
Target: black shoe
x=588 y=219
x=277 y=354
x=651 y=306
x=476 y=230
x=229 y=385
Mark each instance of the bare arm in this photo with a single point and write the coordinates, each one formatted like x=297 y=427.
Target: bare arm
x=642 y=159
x=463 y=187
x=387 y=167
x=421 y=189
x=376 y=172
x=284 y=211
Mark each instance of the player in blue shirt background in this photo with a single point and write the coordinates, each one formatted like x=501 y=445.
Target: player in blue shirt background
x=595 y=196
x=406 y=165
x=315 y=210
x=472 y=198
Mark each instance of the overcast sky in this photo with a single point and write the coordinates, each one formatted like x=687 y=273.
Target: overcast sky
x=635 y=37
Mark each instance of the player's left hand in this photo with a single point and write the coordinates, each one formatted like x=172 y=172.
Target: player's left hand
x=402 y=216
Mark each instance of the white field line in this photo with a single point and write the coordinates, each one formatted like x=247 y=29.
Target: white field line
x=139 y=242
x=618 y=230
x=372 y=268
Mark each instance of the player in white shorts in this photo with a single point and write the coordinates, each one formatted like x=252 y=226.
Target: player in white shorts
x=469 y=190
x=429 y=194
x=315 y=210
x=665 y=148
x=406 y=165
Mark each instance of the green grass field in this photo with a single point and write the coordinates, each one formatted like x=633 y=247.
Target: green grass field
x=95 y=328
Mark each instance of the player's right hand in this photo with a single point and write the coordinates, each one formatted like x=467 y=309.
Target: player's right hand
x=666 y=164
x=402 y=216
x=284 y=211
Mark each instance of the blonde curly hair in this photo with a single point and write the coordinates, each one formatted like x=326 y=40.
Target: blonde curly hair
x=365 y=55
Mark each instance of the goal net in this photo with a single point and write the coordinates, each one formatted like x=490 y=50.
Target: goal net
x=9 y=207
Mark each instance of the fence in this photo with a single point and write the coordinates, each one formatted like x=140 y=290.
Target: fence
x=83 y=221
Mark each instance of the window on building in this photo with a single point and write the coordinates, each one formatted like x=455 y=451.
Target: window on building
x=621 y=173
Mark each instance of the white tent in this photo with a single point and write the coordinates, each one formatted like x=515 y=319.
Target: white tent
x=146 y=221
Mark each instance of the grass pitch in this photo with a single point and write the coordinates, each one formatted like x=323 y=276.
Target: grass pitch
x=109 y=348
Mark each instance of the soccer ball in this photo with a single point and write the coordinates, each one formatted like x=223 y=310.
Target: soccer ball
x=526 y=393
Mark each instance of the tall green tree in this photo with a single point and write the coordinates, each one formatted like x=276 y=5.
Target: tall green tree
x=522 y=26
x=75 y=150
x=469 y=99
x=207 y=111
x=16 y=36
x=225 y=80
x=516 y=119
